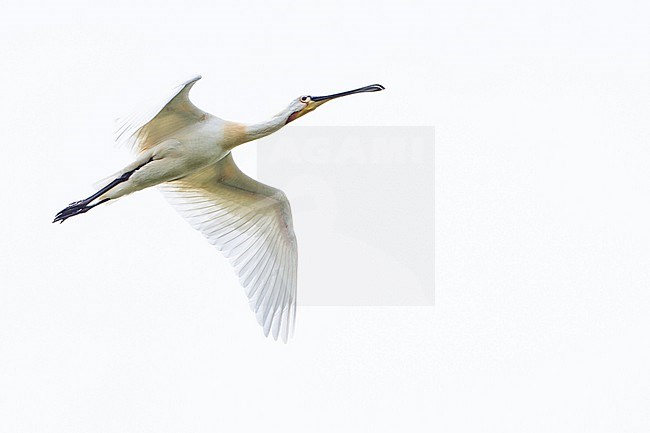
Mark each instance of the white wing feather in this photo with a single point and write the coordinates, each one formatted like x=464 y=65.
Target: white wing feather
x=146 y=128
x=250 y=223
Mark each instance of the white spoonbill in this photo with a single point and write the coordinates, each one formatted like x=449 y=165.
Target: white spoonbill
x=186 y=151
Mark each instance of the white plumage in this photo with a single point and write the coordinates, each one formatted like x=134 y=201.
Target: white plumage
x=186 y=152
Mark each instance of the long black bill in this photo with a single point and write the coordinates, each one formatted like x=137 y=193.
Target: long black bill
x=370 y=88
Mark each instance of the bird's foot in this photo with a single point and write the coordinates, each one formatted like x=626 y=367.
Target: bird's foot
x=75 y=208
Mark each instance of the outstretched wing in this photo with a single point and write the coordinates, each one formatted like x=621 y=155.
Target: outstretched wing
x=144 y=130
x=251 y=224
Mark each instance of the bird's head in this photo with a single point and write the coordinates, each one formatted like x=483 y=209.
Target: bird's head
x=304 y=104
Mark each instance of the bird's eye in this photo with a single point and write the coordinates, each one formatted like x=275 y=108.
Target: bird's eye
x=304 y=98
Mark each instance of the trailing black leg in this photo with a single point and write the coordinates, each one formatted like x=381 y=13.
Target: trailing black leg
x=84 y=205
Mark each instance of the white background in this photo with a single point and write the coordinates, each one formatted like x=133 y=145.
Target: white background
x=362 y=200
x=125 y=320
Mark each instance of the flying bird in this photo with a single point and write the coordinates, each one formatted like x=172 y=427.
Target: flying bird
x=186 y=152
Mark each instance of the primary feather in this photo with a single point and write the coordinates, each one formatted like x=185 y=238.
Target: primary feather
x=250 y=223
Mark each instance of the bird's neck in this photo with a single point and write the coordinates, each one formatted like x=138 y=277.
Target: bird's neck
x=262 y=129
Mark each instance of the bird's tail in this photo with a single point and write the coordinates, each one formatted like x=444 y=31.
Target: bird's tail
x=103 y=182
